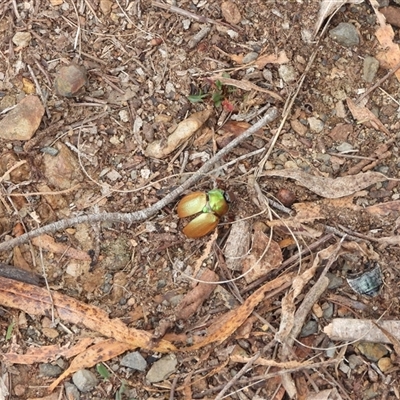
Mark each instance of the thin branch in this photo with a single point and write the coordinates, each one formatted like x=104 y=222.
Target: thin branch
x=142 y=215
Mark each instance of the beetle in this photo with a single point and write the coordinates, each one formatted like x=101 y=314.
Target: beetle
x=211 y=205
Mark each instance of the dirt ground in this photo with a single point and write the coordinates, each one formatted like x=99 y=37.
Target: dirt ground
x=318 y=180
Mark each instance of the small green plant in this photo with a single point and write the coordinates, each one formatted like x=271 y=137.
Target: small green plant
x=103 y=371
x=9 y=330
x=218 y=95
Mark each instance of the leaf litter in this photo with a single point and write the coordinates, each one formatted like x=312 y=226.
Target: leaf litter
x=147 y=87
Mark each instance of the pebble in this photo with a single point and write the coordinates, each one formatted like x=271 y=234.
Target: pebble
x=385 y=363
x=370 y=68
x=62 y=171
x=50 y=370
x=327 y=309
x=315 y=124
x=22 y=121
x=344 y=147
x=334 y=281
x=84 y=380
x=355 y=361
x=372 y=351
x=70 y=80
x=249 y=57
x=287 y=73
x=134 y=360
x=345 y=34
x=309 y=328
x=162 y=368
x=71 y=391
x=22 y=39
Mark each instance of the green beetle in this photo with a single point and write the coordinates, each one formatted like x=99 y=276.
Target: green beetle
x=211 y=205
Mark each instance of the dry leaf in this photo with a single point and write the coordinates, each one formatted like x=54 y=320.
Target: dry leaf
x=228 y=323
x=34 y=300
x=231 y=130
x=47 y=353
x=47 y=243
x=384 y=208
x=259 y=262
x=332 y=188
x=237 y=244
x=389 y=57
x=288 y=302
x=366 y=117
x=245 y=85
x=184 y=130
x=231 y=12
x=100 y=352
x=195 y=298
x=265 y=59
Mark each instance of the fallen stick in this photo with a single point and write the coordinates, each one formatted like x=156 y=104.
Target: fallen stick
x=348 y=329
x=142 y=215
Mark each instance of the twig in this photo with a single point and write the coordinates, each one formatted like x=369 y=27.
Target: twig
x=244 y=369
x=189 y=14
x=142 y=215
x=373 y=87
x=39 y=91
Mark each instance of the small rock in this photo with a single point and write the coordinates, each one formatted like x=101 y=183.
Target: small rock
x=327 y=310
x=309 y=328
x=124 y=116
x=249 y=57
x=392 y=15
x=22 y=39
x=50 y=370
x=51 y=333
x=315 y=124
x=287 y=73
x=344 y=147
x=19 y=390
x=134 y=360
x=385 y=363
x=231 y=12
x=370 y=68
x=84 y=380
x=372 y=351
x=298 y=127
x=71 y=391
x=162 y=368
x=355 y=361
x=113 y=175
x=22 y=122
x=70 y=80
x=334 y=281
x=62 y=171
x=345 y=34
x=341 y=132
x=105 y=6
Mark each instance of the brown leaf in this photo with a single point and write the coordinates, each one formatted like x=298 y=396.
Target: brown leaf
x=231 y=130
x=231 y=12
x=364 y=116
x=100 y=352
x=332 y=188
x=195 y=298
x=384 y=208
x=47 y=353
x=389 y=57
x=265 y=256
x=34 y=300
x=184 y=130
x=228 y=323
x=47 y=243
x=245 y=85
x=265 y=59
